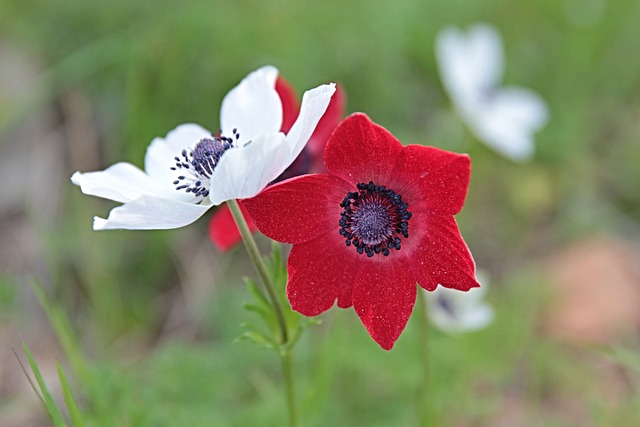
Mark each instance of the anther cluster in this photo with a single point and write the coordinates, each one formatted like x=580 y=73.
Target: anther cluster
x=374 y=219
x=199 y=163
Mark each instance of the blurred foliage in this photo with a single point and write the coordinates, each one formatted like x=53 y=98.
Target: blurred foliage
x=147 y=66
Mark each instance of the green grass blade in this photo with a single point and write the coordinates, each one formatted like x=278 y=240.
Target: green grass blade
x=52 y=408
x=26 y=374
x=64 y=332
x=72 y=407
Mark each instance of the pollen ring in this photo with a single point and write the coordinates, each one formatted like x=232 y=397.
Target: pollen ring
x=196 y=166
x=374 y=219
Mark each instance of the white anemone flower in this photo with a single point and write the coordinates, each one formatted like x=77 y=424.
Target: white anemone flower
x=192 y=169
x=471 y=68
x=455 y=311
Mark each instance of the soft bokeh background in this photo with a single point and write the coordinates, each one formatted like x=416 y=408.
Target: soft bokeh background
x=86 y=84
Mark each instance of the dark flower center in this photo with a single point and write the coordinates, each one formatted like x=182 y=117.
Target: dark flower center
x=198 y=164
x=446 y=305
x=374 y=219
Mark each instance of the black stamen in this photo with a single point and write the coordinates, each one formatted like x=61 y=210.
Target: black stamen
x=374 y=219
x=199 y=163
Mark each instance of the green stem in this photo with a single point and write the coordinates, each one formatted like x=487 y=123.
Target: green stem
x=285 y=359
x=424 y=407
x=258 y=263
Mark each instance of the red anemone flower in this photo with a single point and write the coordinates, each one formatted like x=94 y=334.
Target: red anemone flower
x=223 y=231
x=380 y=221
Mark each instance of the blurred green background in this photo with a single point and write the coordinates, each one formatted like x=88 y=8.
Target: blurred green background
x=155 y=314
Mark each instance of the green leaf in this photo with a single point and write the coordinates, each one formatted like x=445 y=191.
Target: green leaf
x=258 y=338
x=52 y=408
x=72 y=407
x=265 y=315
x=257 y=294
x=295 y=322
x=28 y=377
x=299 y=329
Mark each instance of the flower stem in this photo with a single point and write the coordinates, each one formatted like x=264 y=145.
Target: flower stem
x=258 y=263
x=424 y=407
x=285 y=359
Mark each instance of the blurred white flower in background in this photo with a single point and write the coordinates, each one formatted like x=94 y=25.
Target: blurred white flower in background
x=471 y=67
x=455 y=311
x=192 y=169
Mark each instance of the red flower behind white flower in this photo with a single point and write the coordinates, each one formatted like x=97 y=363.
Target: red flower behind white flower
x=223 y=230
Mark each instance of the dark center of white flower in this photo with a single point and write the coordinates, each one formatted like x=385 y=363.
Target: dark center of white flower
x=374 y=219
x=197 y=165
x=444 y=303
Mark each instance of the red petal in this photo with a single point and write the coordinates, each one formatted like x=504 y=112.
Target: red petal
x=290 y=106
x=361 y=151
x=442 y=257
x=384 y=293
x=320 y=271
x=300 y=208
x=436 y=179
x=223 y=230
x=325 y=127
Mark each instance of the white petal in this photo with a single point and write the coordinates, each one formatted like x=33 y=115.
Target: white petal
x=525 y=106
x=454 y=72
x=253 y=107
x=469 y=65
x=245 y=171
x=482 y=277
x=314 y=104
x=121 y=182
x=486 y=54
x=161 y=152
x=464 y=311
x=150 y=213
x=479 y=318
x=508 y=121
